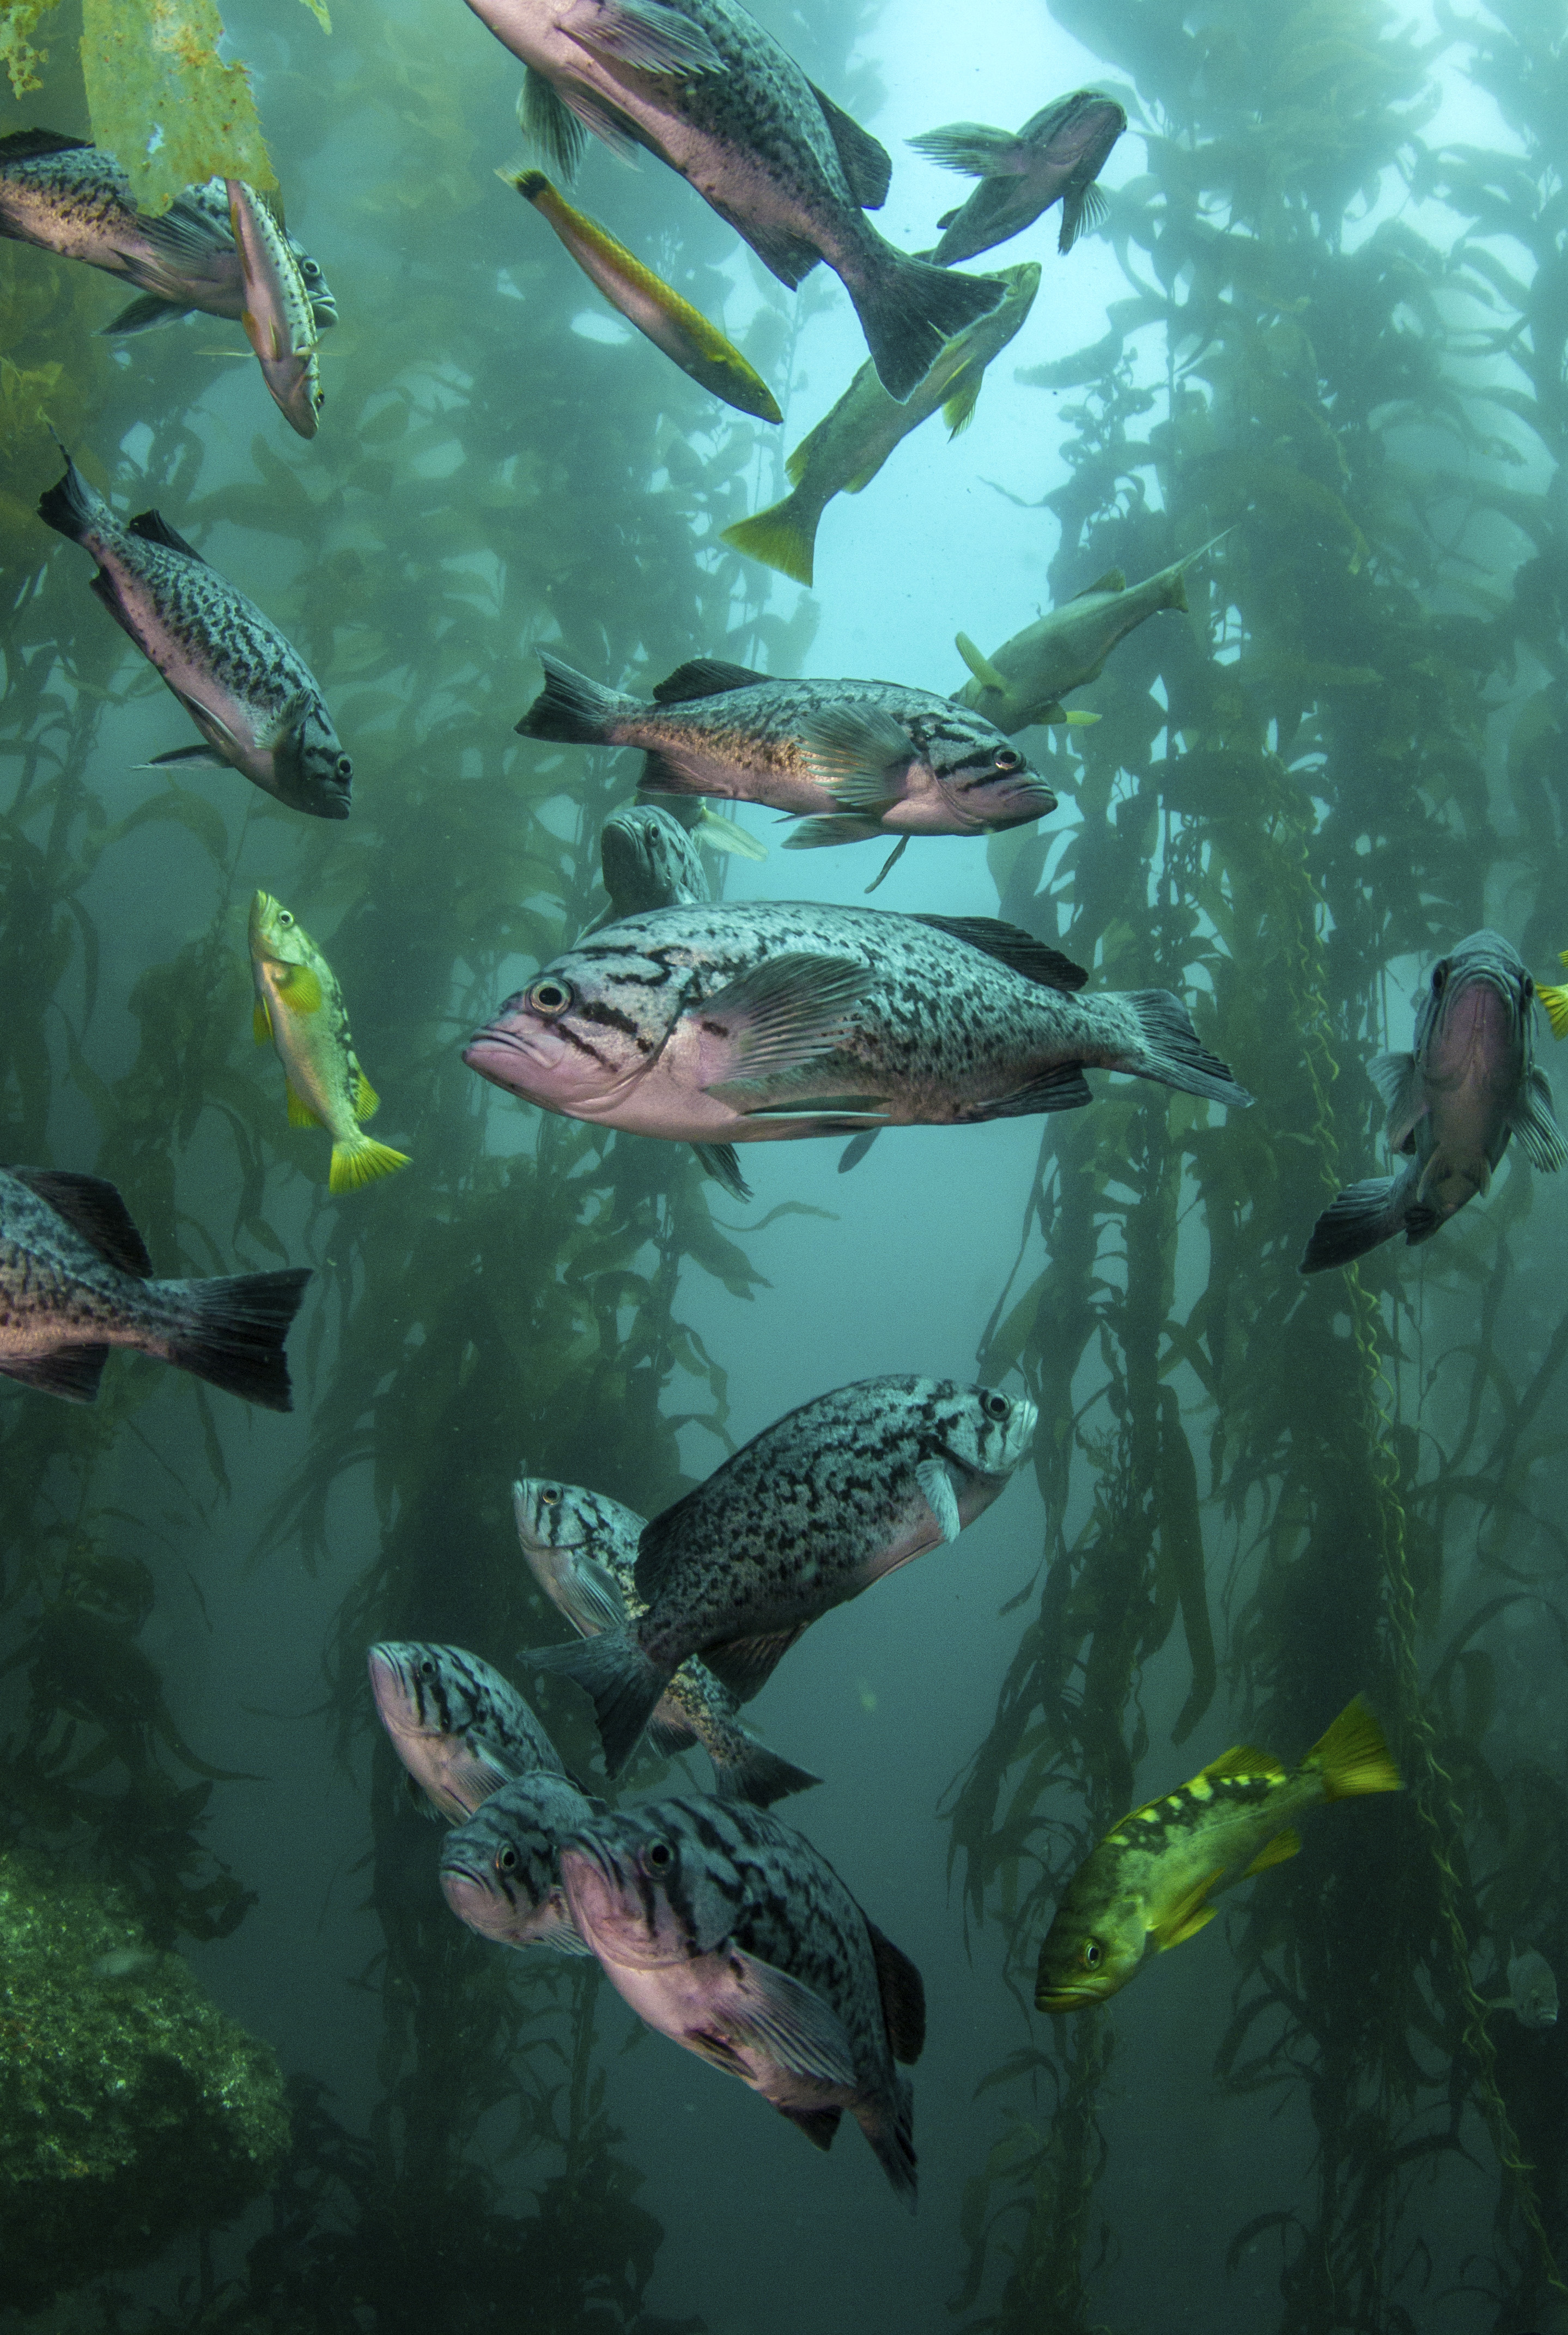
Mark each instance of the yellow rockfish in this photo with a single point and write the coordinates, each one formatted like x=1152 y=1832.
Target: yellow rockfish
x=1148 y=1883
x=299 y=1007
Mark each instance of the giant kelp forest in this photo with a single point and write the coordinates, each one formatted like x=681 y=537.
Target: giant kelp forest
x=1344 y=339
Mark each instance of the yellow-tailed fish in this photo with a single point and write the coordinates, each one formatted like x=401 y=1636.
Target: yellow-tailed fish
x=278 y=319
x=1149 y=1883
x=1556 y=1000
x=299 y=1007
x=646 y=301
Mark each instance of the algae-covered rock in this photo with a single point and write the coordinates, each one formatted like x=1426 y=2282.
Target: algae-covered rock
x=130 y=2107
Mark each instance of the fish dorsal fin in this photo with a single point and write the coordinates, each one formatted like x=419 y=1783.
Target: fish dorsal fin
x=93 y=1208
x=1187 y=1916
x=1013 y=947
x=1534 y=1125
x=1284 y=1845
x=22 y=145
x=153 y=528
x=981 y=666
x=1244 y=1760
x=867 y=164
x=903 y=1993
x=1113 y=580
x=705 y=677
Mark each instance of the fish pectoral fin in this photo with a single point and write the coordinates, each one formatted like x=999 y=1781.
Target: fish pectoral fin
x=549 y=126
x=1534 y=1128
x=93 y=1208
x=642 y=33
x=473 y=1775
x=261 y=1022
x=1187 y=1916
x=1397 y=1080
x=366 y=1102
x=1278 y=1851
x=71 y=1371
x=1084 y=208
x=212 y=726
x=189 y=757
x=770 y=2012
x=981 y=666
x=720 y=1161
x=853 y=750
x=721 y=834
x=958 y=411
x=560 y=1932
x=832 y=827
x=287 y=718
x=844 y=1112
x=776 y=1018
x=300 y=1113
x=1244 y=1760
x=975 y=148
x=942 y=1499
x=300 y=988
x=596 y=1601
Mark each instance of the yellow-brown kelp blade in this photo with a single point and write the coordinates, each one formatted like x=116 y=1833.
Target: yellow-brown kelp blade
x=658 y=312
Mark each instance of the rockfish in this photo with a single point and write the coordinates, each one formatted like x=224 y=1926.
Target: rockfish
x=500 y=1871
x=459 y=1726
x=277 y=316
x=1056 y=157
x=299 y=1007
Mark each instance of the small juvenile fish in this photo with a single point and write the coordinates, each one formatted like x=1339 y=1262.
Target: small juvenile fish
x=1556 y=1000
x=849 y=445
x=581 y=1549
x=1531 y=1995
x=75 y=1279
x=766 y=1020
x=700 y=84
x=1056 y=157
x=726 y=1930
x=1028 y=675
x=299 y=1007
x=811 y=1512
x=122 y=1963
x=873 y=757
x=459 y=1726
x=251 y=695
x=500 y=1871
x=1147 y=1885
x=1469 y=1083
x=70 y=197
x=277 y=316
x=682 y=332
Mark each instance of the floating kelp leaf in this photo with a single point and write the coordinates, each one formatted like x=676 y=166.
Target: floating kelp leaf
x=162 y=103
x=17 y=19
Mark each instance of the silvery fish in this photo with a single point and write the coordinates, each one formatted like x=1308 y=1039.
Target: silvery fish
x=849 y=445
x=581 y=1549
x=1469 y=1083
x=811 y=1512
x=700 y=84
x=251 y=695
x=1056 y=157
x=70 y=197
x=500 y=1872
x=1026 y=678
x=1531 y=1995
x=75 y=1279
x=459 y=1726
x=873 y=758
x=758 y=1021
x=278 y=319
x=726 y=1930
x=1151 y=1882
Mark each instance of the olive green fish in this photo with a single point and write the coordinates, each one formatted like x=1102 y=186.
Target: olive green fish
x=646 y=301
x=1026 y=680
x=849 y=445
x=299 y=1007
x=1148 y=1883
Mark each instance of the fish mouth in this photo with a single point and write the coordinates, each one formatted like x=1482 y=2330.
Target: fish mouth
x=1022 y=804
x=335 y=806
x=495 y=1050
x=1065 y=1998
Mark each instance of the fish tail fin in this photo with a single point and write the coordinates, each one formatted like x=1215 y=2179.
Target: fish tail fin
x=892 y=2135
x=70 y=506
x=233 y=1332
x=1556 y=1000
x=624 y=1685
x=357 y=1160
x=783 y=537
x=909 y=310
x=1354 y=1757
x=570 y=708
x=1362 y=1218
x=760 y=1776
x=1175 y=1055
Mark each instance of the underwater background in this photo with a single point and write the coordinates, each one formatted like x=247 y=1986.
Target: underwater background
x=1326 y=317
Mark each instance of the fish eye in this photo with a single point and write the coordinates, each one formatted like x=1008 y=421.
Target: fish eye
x=1091 y=1954
x=549 y=1496
x=1529 y=989
x=345 y=767
x=658 y=1856
x=1439 y=975
x=506 y=1859
x=426 y=1666
x=1008 y=758
x=995 y=1405
x=549 y=995
x=284 y=917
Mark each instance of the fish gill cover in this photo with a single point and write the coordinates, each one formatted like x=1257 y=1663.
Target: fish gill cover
x=1258 y=1494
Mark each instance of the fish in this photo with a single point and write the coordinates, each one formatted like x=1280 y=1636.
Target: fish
x=755 y=1021
x=682 y=332
x=499 y=1870
x=299 y=1008
x=1026 y=678
x=1531 y=1995
x=1056 y=157
x=847 y=758
x=122 y=1963
x=1469 y=1084
x=460 y=1727
x=582 y=1550
x=700 y=84
x=725 y=1929
x=278 y=319
x=649 y=860
x=76 y=1279
x=1555 y=1002
x=71 y=198
x=811 y=1512
x=850 y=444
x=1149 y=1884
x=250 y=693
